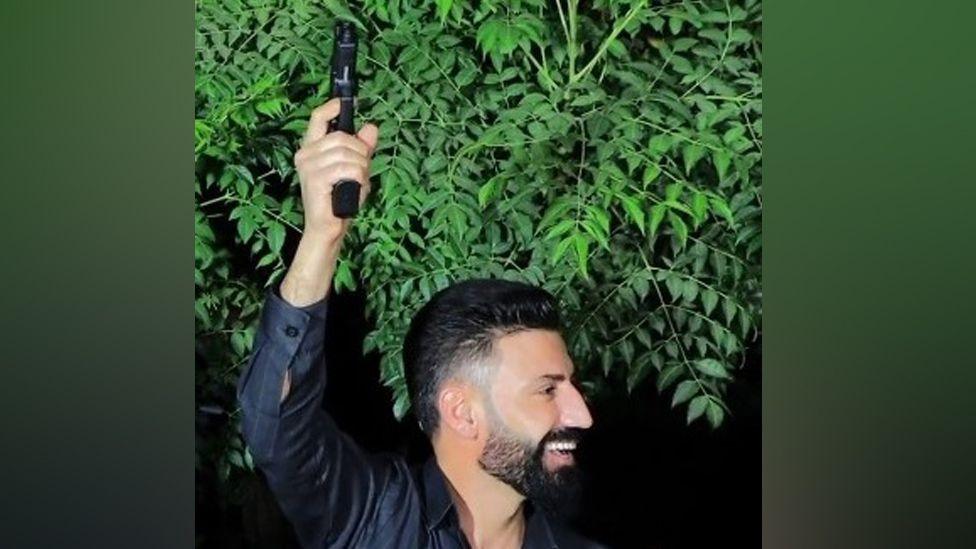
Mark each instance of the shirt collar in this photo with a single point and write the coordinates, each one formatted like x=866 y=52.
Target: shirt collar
x=438 y=502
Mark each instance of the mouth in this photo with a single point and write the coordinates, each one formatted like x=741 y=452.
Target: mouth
x=559 y=454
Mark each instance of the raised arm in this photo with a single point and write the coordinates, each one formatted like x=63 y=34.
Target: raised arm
x=327 y=487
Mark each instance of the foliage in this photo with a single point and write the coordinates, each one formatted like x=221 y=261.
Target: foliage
x=609 y=152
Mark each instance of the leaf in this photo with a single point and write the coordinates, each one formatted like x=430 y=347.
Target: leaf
x=683 y=44
x=720 y=207
x=641 y=287
x=699 y=207
x=538 y=131
x=401 y=406
x=675 y=286
x=692 y=153
x=740 y=35
x=606 y=361
x=582 y=252
x=668 y=376
x=237 y=343
x=644 y=338
x=242 y=188
x=343 y=276
x=561 y=248
x=659 y=144
x=637 y=373
x=443 y=9
x=650 y=173
x=245 y=228
x=715 y=414
x=601 y=216
x=587 y=99
x=711 y=367
x=276 y=236
x=673 y=191
x=686 y=389
x=341 y=11
x=487 y=35
x=592 y=228
x=560 y=228
x=681 y=64
x=487 y=191
x=627 y=350
x=634 y=211
x=657 y=215
x=697 y=407
x=680 y=229
x=729 y=308
x=674 y=24
x=721 y=159
x=709 y=300
x=465 y=77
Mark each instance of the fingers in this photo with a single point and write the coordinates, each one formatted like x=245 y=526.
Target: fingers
x=326 y=158
x=369 y=135
x=339 y=155
x=332 y=140
x=364 y=192
x=333 y=173
x=318 y=123
x=318 y=127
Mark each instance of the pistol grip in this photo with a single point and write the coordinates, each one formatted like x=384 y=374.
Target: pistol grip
x=345 y=198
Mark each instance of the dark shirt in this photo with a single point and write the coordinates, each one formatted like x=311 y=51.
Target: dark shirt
x=334 y=493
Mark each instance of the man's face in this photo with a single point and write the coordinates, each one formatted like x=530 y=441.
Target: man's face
x=537 y=418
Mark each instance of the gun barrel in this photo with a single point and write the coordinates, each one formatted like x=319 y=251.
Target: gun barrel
x=345 y=194
x=344 y=61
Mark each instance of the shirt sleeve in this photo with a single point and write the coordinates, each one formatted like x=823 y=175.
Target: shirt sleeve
x=328 y=487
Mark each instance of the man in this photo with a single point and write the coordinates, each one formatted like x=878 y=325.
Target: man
x=490 y=381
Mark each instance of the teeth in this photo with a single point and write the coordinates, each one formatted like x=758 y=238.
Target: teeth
x=561 y=446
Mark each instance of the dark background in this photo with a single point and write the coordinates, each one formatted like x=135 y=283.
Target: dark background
x=651 y=480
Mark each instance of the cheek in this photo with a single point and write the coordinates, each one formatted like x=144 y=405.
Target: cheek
x=533 y=419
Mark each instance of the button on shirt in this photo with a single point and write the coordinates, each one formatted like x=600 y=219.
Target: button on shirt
x=334 y=493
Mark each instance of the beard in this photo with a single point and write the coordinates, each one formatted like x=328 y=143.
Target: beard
x=520 y=464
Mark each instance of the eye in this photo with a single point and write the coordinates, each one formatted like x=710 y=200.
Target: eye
x=549 y=390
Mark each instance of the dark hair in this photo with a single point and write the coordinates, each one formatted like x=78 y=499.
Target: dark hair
x=453 y=333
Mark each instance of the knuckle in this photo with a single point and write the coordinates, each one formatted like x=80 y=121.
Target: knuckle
x=351 y=142
x=331 y=140
x=320 y=110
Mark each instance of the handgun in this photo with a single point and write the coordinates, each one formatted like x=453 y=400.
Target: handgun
x=345 y=193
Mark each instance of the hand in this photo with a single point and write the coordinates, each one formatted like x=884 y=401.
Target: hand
x=323 y=160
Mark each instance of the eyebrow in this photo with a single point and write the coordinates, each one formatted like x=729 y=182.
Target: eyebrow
x=553 y=377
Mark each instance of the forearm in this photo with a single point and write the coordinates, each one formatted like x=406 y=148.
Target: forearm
x=286 y=436
x=309 y=278
x=326 y=485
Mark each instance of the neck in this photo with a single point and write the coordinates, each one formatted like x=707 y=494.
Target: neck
x=490 y=511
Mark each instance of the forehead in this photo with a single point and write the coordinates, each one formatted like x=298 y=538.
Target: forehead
x=527 y=355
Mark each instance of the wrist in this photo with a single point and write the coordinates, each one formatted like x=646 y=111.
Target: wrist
x=330 y=237
x=309 y=277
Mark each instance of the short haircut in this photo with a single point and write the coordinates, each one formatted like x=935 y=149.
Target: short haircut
x=452 y=336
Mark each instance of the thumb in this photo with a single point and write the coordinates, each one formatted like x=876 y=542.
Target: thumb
x=369 y=134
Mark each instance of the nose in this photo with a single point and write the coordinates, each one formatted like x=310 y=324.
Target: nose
x=575 y=413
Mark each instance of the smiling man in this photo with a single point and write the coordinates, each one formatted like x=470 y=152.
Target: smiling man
x=490 y=381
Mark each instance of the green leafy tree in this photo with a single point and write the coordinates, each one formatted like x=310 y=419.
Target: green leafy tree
x=608 y=152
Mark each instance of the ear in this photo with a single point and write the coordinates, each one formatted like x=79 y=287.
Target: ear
x=456 y=409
